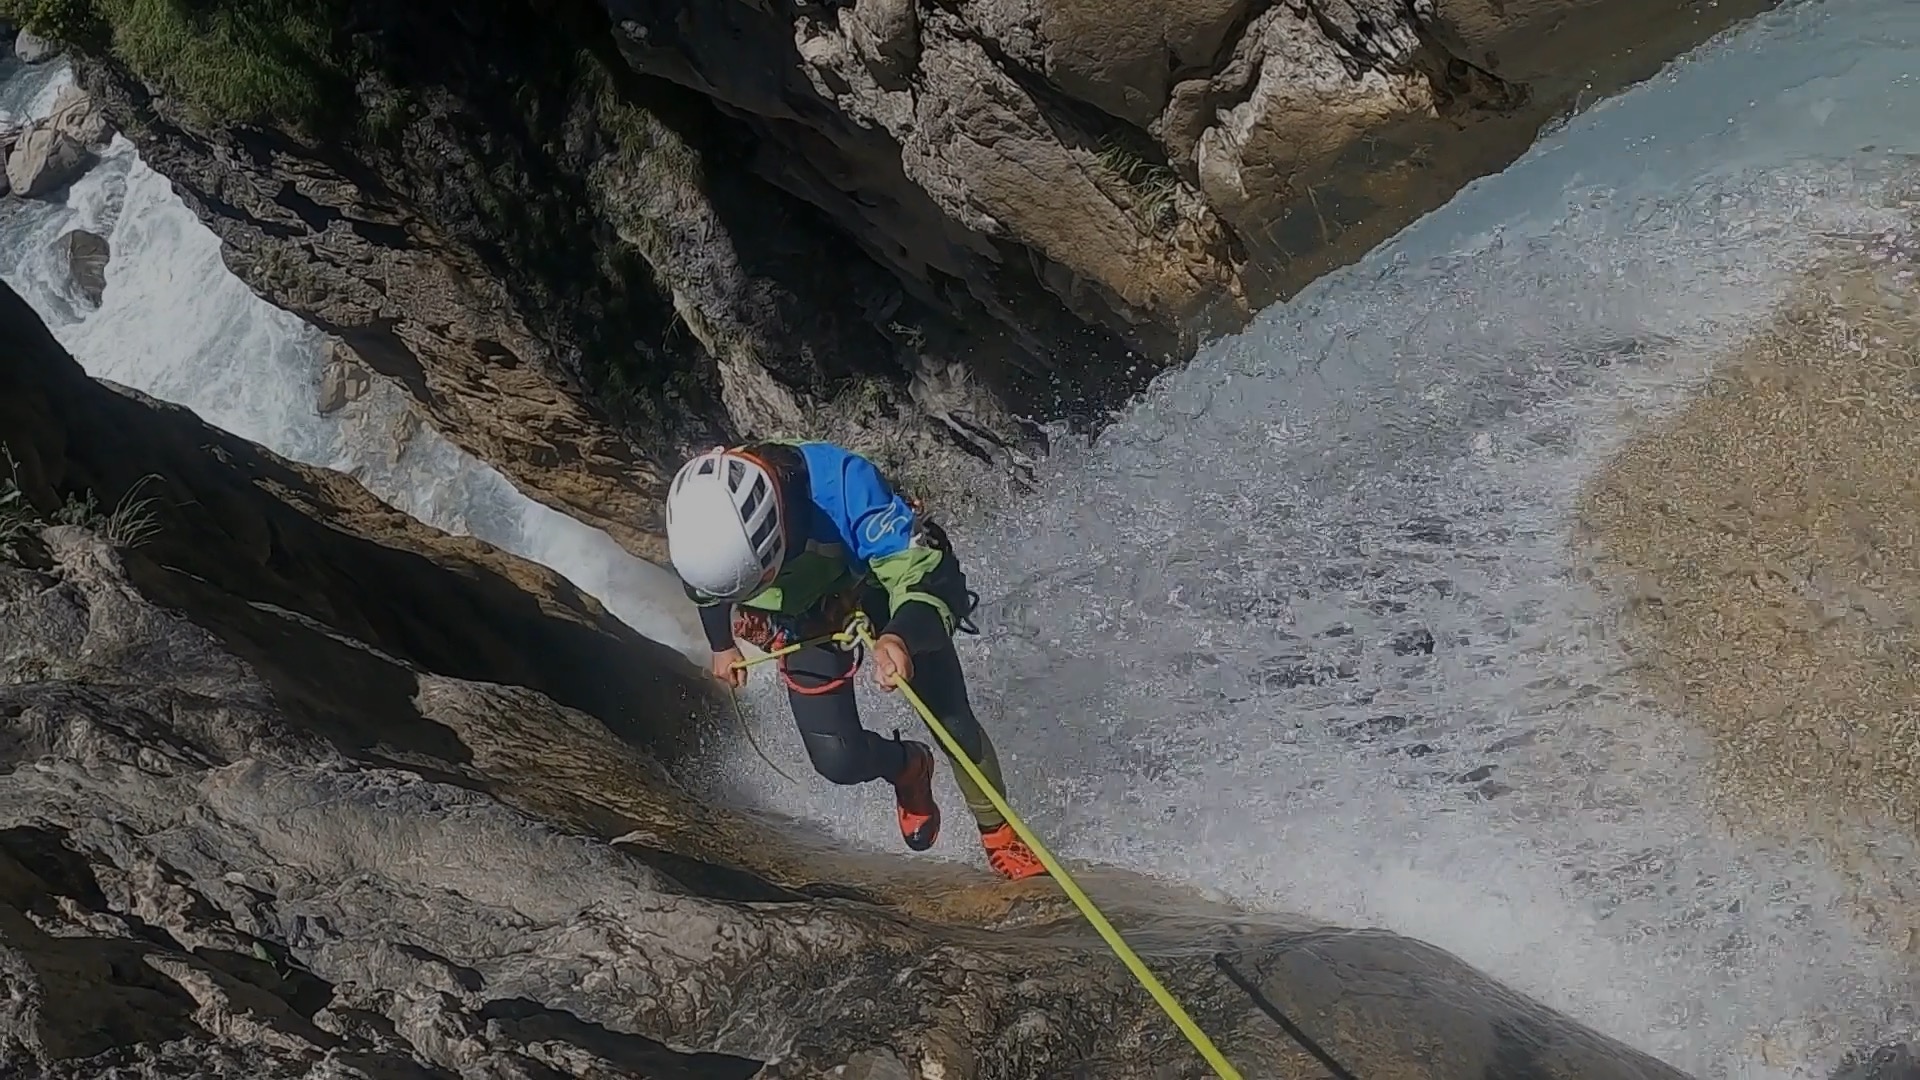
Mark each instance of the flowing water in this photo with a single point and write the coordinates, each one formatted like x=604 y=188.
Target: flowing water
x=1304 y=629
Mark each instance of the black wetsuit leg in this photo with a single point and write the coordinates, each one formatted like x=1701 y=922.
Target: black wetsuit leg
x=841 y=749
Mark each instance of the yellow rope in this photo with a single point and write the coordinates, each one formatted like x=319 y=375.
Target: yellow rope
x=740 y=712
x=862 y=631
x=844 y=638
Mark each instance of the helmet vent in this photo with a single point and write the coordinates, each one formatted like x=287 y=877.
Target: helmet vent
x=764 y=532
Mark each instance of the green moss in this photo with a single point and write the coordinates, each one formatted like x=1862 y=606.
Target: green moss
x=387 y=116
x=255 y=61
x=644 y=156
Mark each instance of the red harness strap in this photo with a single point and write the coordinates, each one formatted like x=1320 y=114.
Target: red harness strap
x=756 y=626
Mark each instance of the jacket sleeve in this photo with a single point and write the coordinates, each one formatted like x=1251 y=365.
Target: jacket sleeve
x=924 y=585
x=716 y=620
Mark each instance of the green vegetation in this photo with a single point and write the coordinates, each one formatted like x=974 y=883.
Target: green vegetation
x=266 y=60
x=645 y=158
x=131 y=523
x=72 y=21
x=646 y=154
x=534 y=196
x=17 y=516
x=1154 y=187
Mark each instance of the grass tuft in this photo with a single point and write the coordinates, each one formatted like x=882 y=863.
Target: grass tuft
x=1155 y=187
x=131 y=523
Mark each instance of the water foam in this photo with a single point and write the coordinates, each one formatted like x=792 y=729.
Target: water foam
x=1205 y=654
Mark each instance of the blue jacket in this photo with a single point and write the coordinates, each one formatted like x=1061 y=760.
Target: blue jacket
x=848 y=527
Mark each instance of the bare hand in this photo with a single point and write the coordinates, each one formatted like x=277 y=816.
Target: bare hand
x=726 y=672
x=892 y=663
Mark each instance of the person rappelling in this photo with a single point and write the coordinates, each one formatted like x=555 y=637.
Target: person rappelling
x=782 y=543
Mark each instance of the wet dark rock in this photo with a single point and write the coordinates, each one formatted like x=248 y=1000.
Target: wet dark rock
x=1896 y=1061
x=1408 y=642
x=1289 y=672
x=1375 y=727
x=86 y=255
x=1474 y=776
x=1428 y=531
x=1514 y=742
x=1420 y=750
x=1285 y=674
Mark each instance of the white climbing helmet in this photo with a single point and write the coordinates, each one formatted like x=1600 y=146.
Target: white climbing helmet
x=724 y=532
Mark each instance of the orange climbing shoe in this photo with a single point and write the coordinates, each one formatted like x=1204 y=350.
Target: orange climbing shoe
x=913 y=790
x=1009 y=855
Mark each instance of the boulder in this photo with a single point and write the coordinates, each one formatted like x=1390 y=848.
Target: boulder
x=86 y=255
x=76 y=114
x=45 y=160
x=343 y=379
x=30 y=48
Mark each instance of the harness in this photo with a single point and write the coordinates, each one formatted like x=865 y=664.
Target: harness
x=821 y=624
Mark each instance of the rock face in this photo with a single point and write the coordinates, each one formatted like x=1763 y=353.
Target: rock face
x=1163 y=166
x=271 y=531
x=590 y=237
x=289 y=789
x=45 y=159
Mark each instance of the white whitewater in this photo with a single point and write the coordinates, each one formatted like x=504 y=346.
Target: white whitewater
x=1194 y=664
x=1190 y=664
